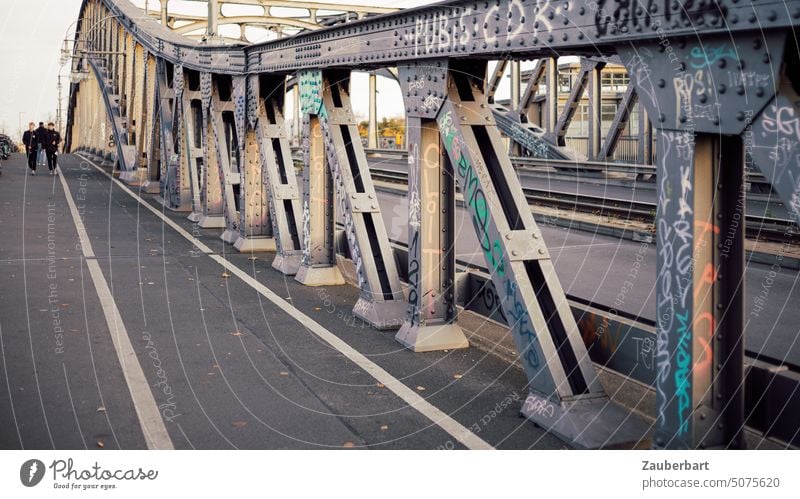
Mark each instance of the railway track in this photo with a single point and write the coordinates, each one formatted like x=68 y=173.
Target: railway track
x=761 y=228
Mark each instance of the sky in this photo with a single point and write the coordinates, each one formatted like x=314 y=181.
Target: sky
x=32 y=34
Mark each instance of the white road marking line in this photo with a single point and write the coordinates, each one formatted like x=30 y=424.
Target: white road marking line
x=436 y=415
x=155 y=433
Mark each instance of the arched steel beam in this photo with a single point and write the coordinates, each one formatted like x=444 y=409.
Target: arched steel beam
x=202 y=23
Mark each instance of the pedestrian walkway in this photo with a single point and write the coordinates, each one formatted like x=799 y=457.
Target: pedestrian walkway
x=213 y=346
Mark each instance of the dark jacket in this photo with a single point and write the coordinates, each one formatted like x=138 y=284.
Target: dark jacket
x=53 y=141
x=29 y=139
x=42 y=136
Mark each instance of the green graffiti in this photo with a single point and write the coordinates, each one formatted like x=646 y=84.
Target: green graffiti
x=474 y=196
x=311 y=92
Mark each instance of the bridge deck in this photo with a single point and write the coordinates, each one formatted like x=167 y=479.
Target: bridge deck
x=226 y=367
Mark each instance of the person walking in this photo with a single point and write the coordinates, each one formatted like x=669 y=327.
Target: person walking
x=53 y=141
x=42 y=136
x=31 y=146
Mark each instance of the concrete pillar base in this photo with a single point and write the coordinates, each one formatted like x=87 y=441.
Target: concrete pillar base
x=211 y=222
x=432 y=337
x=319 y=276
x=132 y=178
x=181 y=208
x=254 y=244
x=151 y=186
x=230 y=236
x=588 y=422
x=382 y=315
x=195 y=216
x=288 y=264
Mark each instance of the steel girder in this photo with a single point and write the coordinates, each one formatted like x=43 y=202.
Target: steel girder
x=502 y=28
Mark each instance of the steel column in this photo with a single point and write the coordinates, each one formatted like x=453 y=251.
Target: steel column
x=381 y=302
x=213 y=18
x=551 y=95
x=431 y=320
x=565 y=396
x=699 y=228
x=618 y=125
x=193 y=150
x=516 y=83
x=595 y=112
x=372 y=131
x=279 y=174
x=211 y=185
x=645 y=137
x=318 y=266
x=222 y=116
x=556 y=136
x=529 y=112
x=255 y=226
x=700 y=304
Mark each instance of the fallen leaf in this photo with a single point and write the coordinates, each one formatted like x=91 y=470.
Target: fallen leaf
x=317 y=308
x=457 y=376
x=348 y=445
x=380 y=385
x=215 y=366
x=101 y=409
x=237 y=333
x=225 y=275
x=100 y=444
x=239 y=424
x=284 y=373
x=420 y=388
x=384 y=427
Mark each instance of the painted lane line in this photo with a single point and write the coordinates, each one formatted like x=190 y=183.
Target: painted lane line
x=155 y=433
x=413 y=399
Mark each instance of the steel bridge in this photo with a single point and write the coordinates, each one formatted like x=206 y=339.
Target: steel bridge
x=200 y=122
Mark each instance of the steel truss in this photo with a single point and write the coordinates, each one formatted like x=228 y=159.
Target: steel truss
x=711 y=76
